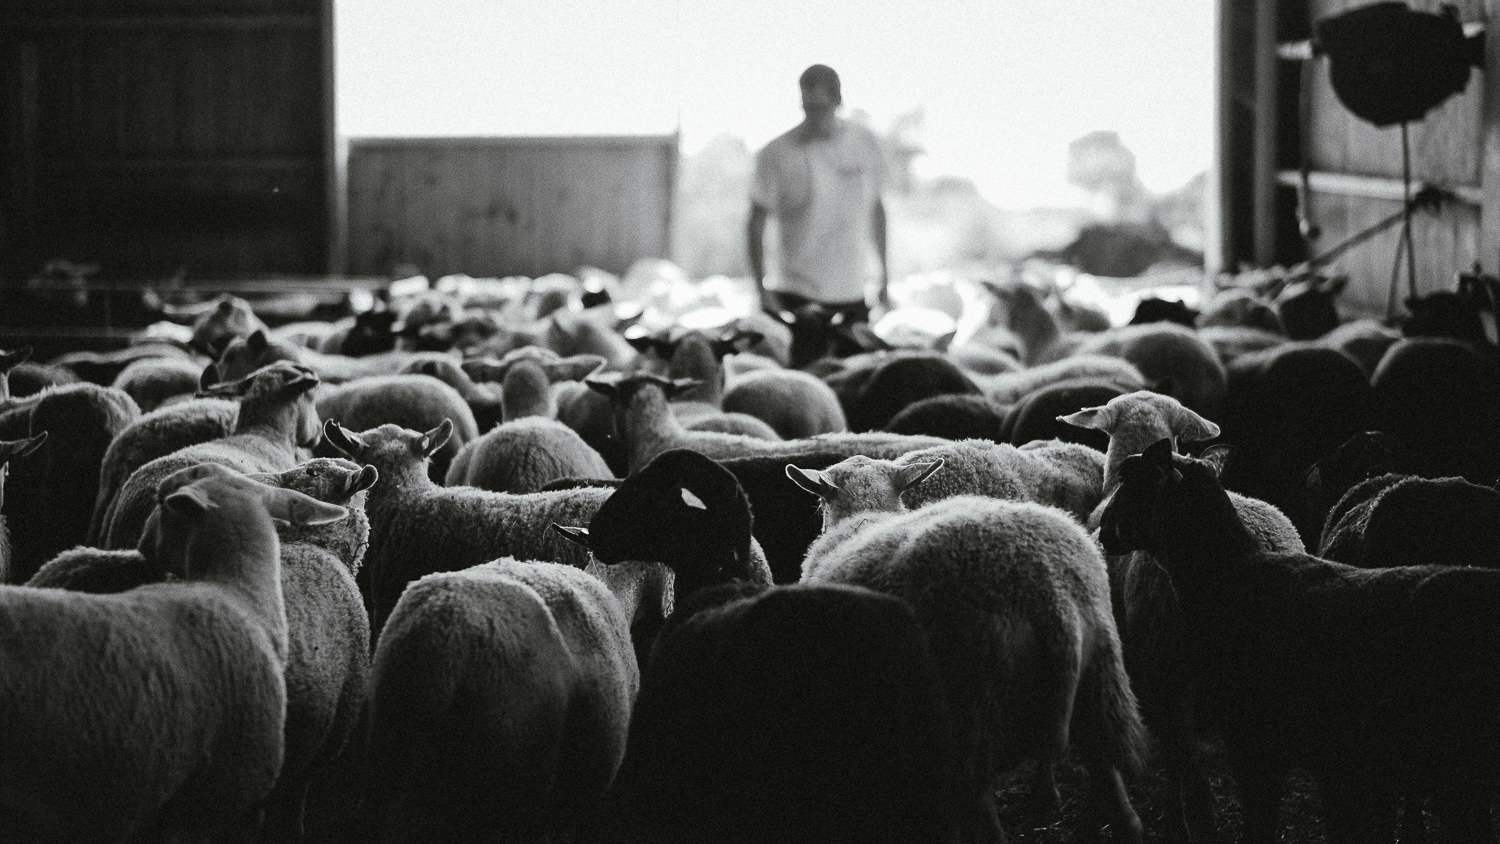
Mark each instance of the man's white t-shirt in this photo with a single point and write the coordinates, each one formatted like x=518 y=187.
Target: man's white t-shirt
x=822 y=192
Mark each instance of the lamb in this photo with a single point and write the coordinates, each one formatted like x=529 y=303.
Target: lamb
x=1147 y=615
x=10 y=450
x=1378 y=682
x=418 y=527
x=199 y=661
x=1014 y=598
x=419 y=402
x=52 y=493
x=276 y=415
x=507 y=687
x=646 y=427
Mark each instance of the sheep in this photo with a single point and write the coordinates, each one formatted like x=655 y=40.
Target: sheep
x=1008 y=388
x=485 y=403
x=1363 y=455
x=697 y=356
x=1365 y=340
x=1240 y=308
x=951 y=416
x=52 y=493
x=328 y=631
x=419 y=402
x=418 y=527
x=226 y=318
x=872 y=395
x=155 y=381
x=529 y=448
x=1441 y=397
x=1155 y=309
x=1067 y=476
x=505 y=688
x=1147 y=614
x=1398 y=519
x=1285 y=408
x=646 y=427
x=11 y=450
x=152 y=435
x=1019 y=310
x=800 y=713
x=1015 y=601
x=1378 y=682
x=276 y=415
x=1035 y=415
x=1308 y=308
x=1230 y=342
x=156 y=713
x=1172 y=358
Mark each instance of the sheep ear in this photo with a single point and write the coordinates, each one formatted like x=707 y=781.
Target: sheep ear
x=678 y=386
x=189 y=501
x=646 y=344
x=1191 y=427
x=1216 y=456
x=575 y=368
x=209 y=380
x=811 y=480
x=363 y=480
x=912 y=474
x=431 y=441
x=604 y=388
x=943 y=343
x=296 y=508
x=1101 y=418
x=298 y=379
x=21 y=448
x=575 y=535
x=342 y=438
x=736 y=342
x=257 y=342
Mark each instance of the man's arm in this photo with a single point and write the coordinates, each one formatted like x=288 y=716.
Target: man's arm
x=755 y=229
x=877 y=222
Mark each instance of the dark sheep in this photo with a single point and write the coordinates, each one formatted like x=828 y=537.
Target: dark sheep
x=951 y=416
x=1396 y=519
x=1441 y=397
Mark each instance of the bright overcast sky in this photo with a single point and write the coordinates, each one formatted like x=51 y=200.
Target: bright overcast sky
x=1005 y=84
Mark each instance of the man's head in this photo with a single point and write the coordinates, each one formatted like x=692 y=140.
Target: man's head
x=821 y=94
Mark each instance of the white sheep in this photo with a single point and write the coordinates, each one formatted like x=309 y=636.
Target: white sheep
x=794 y=403
x=1172 y=358
x=156 y=713
x=500 y=699
x=418 y=527
x=1007 y=388
x=1064 y=475
x=529 y=448
x=1014 y=597
x=645 y=426
x=154 y=381
x=1146 y=606
x=418 y=402
x=276 y=415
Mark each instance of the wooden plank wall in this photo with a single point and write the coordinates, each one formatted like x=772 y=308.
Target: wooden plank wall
x=1446 y=151
x=152 y=136
x=509 y=206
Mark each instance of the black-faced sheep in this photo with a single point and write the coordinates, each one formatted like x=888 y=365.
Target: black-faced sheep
x=418 y=527
x=1146 y=608
x=1375 y=681
x=157 y=712
x=1014 y=598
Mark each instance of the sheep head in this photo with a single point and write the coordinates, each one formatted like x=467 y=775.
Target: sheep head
x=398 y=453
x=11 y=449
x=1157 y=488
x=1135 y=421
x=861 y=484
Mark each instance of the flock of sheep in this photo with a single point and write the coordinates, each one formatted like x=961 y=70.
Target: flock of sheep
x=544 y=560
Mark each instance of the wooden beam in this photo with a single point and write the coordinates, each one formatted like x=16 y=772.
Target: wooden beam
x=1374 y=187
x=1489 y=151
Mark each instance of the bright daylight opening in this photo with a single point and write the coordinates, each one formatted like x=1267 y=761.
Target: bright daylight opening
x=1012 y=127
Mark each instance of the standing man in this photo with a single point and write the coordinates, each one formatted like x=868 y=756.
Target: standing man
x=822 y=180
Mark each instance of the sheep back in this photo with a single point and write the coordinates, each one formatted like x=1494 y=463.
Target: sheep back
x=524 y=455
